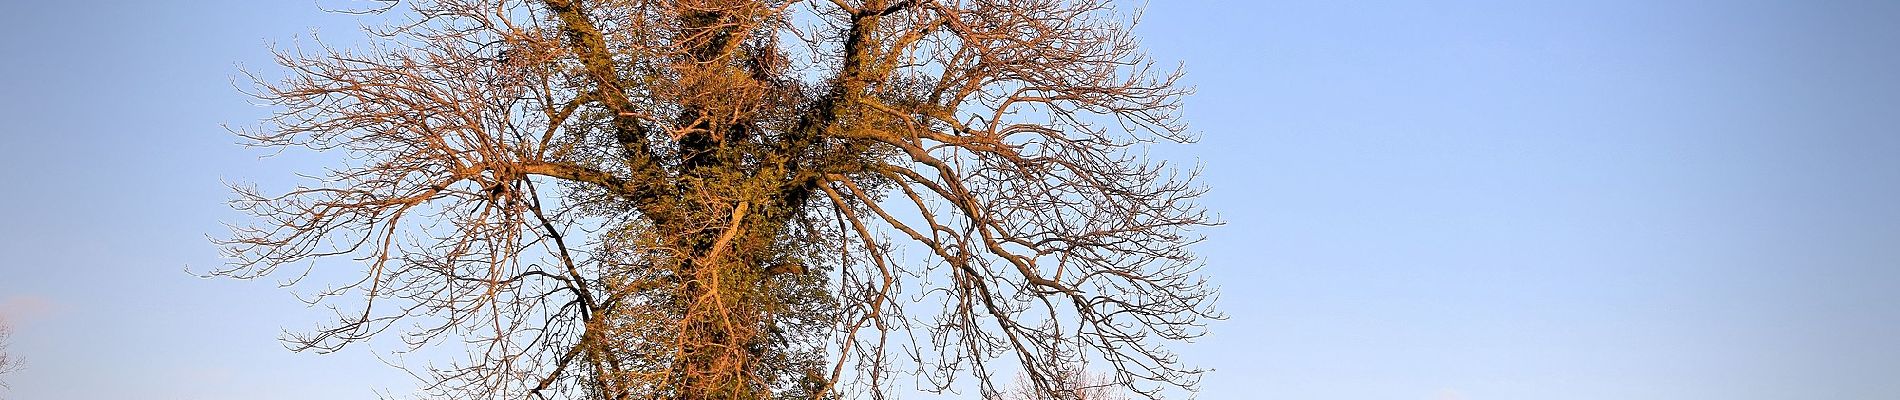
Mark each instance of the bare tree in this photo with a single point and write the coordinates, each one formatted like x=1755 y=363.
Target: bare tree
x=728 y=199
x=1072 y=383
x=8 y=363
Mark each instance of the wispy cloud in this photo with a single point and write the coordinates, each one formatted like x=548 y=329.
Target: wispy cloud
x=18 y=308
x=1449 y=394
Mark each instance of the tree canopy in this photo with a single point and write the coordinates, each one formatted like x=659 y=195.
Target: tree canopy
x=741 y=199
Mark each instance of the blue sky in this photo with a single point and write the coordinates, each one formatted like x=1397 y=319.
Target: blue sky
x=1453 y=200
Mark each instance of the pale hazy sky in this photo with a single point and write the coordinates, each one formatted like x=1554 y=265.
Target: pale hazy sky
x=1629 y=200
